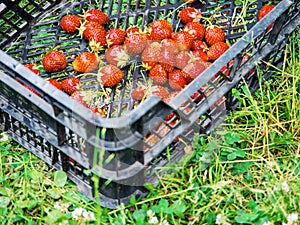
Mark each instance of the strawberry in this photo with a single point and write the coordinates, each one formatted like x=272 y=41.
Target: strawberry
x=94 y=33
x=167 y=60
x=197 y=97
x=160 y=29
x=150 y=55
x=201 y=55
x=55 y=83
x=97 y=16
x=183 y=58
x=138 y=93
x=168 y=98
x=158 y=74
x=99 y=111
x=183 y=39
x=33 y=68
x=169 y=45
x=159 y=91
x=177 y=80
x=216 y=50
x=115 y=36
x=70 y=23
x=226 y=69
x=79 y=97
x=199 y=45
x=135 y=43
x=213 y=35
x=110 y=75
x=54 y=61
x=264 y=11
x=194 y=69
x=133 y=30
x=85 y=62
x=196 y=29
x=117 y=56
x=70 y=85
x=190 y=14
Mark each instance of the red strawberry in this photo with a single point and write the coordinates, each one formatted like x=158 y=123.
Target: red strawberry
x=196 y=29
x=33 y=68
x=133 y=30
x=54 y=61
x=216 y=50
x=177 y=80
x=79 y=97
x=190 y=14
x=168 y=98
x=201 y=55
x=183 y=58
x=183 y=39
x=55 y=83
x=225 y=69
x=110 y=75
x=138 y=93
x=167 y=60
x=199 y=45
x=160 y=29
x=170 y=45
x=159 y=91
x=99 y=111
x=94 y=33
x=70 y=85
x=150 y=55
x=85 y=62
x=158 y=74
x=135 y=43
x=264 y=11
x=197 y=97
x=194 y=69
x=117 y=56
x=115 y=36
x=70 y=23
x=213 y=35
x=97 y=16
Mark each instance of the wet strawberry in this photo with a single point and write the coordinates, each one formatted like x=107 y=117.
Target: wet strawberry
x=70 y=85
x=115 y=36
x=70 y=23
x=110 y=75
x=54 y=61
x=216 y=50
x=85 y=62
x=169 y=45
x=196 y=29
x=97 y=16
x=177 y=80
x=135 y=43
x=79 y=97
x=167 y=60
x=160 y=29
x=158 y=74
x=183 y=39
x=55 y=83
x=33 y=68
x=138 y=93
x=264 y=11
x=194 y=69
x=150 y=55
x=199 y=45
x=117 y=56
x=201 y=55
x=190 y=14
x=213 y=35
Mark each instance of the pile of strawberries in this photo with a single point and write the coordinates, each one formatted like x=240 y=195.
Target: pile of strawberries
x=172 y=59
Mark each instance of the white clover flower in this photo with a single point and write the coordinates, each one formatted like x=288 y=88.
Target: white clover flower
x=64 y=222
x=275 y=188
x=285 y=187
x=267 y=223
x=292 y=219
x=221 y=219
x=81 y=214
x=89 y=216
x=153 y=220
x=150 y=213
x=165 y=222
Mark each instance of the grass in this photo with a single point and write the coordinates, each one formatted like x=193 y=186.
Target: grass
x=246 y=172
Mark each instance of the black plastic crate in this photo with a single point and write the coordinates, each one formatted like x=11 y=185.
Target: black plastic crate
x=118 y=149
